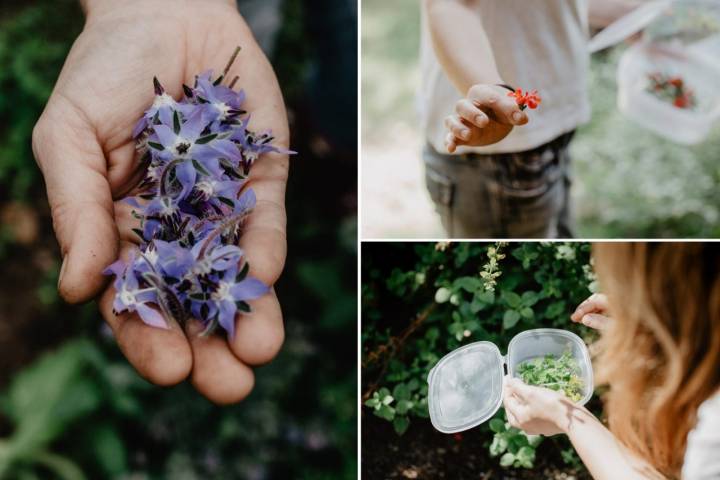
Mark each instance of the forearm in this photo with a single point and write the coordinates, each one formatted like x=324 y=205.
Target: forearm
x=460 y=43
x=89 y=6
x=603 y=455
x=604 y=12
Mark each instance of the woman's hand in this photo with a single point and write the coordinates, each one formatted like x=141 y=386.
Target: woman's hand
x=536 y=410
x=84 y=148
x=485 y=116
x=593 y=312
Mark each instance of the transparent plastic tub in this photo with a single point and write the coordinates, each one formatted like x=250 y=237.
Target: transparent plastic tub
x=537 y=343
x=466 y=385
x=686 y=126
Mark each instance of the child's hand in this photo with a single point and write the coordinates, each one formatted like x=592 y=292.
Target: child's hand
x=593 y=312
x=485 y=116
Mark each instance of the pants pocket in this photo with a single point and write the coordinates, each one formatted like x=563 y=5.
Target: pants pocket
x=442 y=191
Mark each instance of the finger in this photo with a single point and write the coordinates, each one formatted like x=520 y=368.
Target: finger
x=260 y=333
x=162 y=356
x=496 y=104
x=264 y=239
x=216 y=373
x=450 y=143
x=512 y=420
x=457 y=128
x=596 y=321
x=126 y=222
x=470 y=113
x=595 y=303
x=73 y=165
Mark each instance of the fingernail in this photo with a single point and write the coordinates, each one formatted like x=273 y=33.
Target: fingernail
x=478 y=119
x=62 y=271
x=517 y=117
x=465 y=134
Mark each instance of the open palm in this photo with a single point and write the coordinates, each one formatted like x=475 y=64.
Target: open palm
x=84 y=147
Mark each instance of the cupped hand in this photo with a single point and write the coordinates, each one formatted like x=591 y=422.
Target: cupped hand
x=485 y=116
x=83 y=145
x=536 y=410
x=593 y=312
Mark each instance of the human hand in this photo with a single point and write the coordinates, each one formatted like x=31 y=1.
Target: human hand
x=593 y=312
x=536 y=410
x=83 y=146
x=485 y=116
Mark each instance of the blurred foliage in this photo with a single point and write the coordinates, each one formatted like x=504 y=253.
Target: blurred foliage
x=634 y=184
x=80 y=411
x=30 y=63
x=423 y=300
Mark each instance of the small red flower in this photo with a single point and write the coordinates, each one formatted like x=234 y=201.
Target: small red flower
x=527 y=99
x=458 y=437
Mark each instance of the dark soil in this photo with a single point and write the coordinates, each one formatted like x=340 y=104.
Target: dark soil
x=422 y=452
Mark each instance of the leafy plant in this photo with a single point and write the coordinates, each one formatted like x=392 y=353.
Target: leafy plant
x=514 y=447
x=556 y=373
x=422 y=300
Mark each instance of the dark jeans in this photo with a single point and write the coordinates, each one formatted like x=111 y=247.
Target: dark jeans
x=509 y=195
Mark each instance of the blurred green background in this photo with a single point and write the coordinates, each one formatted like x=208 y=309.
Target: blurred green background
x=70 y=405
x=628 y=181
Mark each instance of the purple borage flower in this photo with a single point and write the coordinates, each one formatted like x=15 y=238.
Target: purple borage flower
x=192 y=205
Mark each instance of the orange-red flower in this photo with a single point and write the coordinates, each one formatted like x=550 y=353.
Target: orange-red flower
x=527 y=99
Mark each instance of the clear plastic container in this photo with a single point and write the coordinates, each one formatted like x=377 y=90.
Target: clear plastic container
x=465 y=386
x=687 y=126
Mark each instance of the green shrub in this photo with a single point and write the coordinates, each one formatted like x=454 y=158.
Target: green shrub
x=455 y=294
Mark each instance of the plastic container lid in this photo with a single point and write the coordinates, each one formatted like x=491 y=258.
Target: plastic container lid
x=466 y=385
x=627 y=25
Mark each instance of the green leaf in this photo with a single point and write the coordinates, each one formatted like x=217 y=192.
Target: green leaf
x=534 y=440
x=507 y=460
x=555 y=309
x=176 y=122
x=109 y=450
x=372 y=402
x=498 y=445
x=469 y=284
x=201 y=169
x=401 y=424
x=526 y=457
x=386 y=412
x=401 y=392
x=529 y=298
x=510 y=319
x=527 y=313
x=205 y=139
x=497 y=425
x=512 y=299
x=403 y=406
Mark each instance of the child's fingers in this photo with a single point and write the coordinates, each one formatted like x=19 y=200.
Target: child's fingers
x=493 y=99
x=470 y=113
x=457 y=127
x=450 y=143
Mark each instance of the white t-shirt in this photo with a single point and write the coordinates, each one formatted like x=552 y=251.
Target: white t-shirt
x=702 y=454
x=538 y=45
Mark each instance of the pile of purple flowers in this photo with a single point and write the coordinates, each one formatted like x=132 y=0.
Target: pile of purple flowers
x=192 y=204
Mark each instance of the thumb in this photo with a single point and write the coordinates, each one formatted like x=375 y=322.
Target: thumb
x=74 y=168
